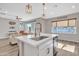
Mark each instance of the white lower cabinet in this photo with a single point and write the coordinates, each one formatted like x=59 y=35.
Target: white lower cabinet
x=45 y=49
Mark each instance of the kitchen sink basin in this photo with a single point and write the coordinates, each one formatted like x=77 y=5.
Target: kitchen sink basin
x=39 y=38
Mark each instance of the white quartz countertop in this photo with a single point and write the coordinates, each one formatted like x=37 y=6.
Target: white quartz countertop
x=28 y=39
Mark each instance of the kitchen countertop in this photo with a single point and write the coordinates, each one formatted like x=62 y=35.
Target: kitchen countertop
x=28 y=39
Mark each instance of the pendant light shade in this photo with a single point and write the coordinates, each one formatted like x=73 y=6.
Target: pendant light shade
x=28 y=8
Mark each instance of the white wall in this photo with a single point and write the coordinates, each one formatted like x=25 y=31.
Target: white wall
x=4 y=27
x=69 y=37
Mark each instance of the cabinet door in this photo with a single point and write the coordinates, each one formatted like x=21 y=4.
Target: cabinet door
x=46 y=49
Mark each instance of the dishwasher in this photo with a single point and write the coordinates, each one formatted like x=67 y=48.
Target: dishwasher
x=55 y=45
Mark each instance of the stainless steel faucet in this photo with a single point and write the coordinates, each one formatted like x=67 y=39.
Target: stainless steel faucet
x=37 y=29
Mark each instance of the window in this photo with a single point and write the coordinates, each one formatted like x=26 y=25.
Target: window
x=64 y=26
x=62 y=23
x=30 y=27
x=71 y=22
x=54 y=24
x=21 y=26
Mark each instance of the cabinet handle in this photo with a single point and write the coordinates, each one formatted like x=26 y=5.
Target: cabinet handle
x=48 y=50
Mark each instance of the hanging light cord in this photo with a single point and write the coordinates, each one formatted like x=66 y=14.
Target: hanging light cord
x=43 y=9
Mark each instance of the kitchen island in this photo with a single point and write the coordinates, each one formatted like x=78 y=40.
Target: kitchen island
x=32 y=46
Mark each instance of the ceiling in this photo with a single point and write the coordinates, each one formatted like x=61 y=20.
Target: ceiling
x=52 y=10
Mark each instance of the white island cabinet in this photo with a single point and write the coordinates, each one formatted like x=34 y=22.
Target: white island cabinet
x=31 y=47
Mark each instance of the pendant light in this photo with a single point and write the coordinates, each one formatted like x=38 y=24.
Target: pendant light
x=44 y=8
x=28 y=8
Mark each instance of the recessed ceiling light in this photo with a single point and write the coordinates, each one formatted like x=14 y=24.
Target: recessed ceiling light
x=45 y=7
x=73 y=6
x=55 y=6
